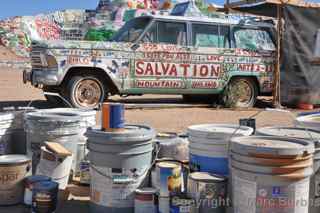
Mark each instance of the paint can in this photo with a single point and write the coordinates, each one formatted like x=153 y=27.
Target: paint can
x=45 y=197
x=146 y=200
x=28 y=184
x=112 y=116
x=85 y=172
x=119 y=164
x=81 y=156
x=55 y=166
x=306 y=134
x=13 y=170
x=182 y=204
x=250 y=122
x=269 y=187
x=164 y=205
x=169 y=178
x=209 y=191
x=172 y=146
x=209 y=146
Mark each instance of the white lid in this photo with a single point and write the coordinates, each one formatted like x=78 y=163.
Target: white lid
x=218 y=130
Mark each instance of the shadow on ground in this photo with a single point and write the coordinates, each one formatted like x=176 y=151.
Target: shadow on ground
x=262 y=102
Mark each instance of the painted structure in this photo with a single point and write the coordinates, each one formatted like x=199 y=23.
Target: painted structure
x=17 y=33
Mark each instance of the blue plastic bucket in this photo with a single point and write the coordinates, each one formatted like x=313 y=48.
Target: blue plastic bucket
x=209 y=146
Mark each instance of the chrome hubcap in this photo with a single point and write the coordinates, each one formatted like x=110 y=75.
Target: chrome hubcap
x=88 y=93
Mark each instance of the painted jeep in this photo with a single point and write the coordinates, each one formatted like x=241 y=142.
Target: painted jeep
x=161 y=55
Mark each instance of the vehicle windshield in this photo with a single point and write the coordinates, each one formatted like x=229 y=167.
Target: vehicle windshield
x=132 y=30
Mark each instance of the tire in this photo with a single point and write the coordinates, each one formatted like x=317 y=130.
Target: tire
x=86 y=92
x=241 y=92
x=188 y=98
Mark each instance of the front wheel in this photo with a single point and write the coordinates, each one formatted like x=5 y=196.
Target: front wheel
x=86 y=91
x=241 y=92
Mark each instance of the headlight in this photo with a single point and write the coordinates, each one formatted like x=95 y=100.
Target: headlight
x=48 y=60
x=51 y=61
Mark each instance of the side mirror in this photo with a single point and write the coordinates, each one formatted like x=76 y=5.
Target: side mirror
x=134 y=47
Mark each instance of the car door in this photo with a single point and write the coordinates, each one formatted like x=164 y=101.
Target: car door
x=159 y=68
x=210 y=42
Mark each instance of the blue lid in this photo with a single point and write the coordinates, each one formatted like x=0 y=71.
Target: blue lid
x=37 y=178
x=46 y=185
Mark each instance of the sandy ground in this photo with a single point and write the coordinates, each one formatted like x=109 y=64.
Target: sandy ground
x=14 y=93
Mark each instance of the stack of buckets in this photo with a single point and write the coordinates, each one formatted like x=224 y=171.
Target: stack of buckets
x=120 y=157
x=270 y=174
x=312 y=121
x=306 y=134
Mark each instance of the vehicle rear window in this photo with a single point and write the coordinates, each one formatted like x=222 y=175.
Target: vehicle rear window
x=210 y=36
x=172 y=33
x=253 y=39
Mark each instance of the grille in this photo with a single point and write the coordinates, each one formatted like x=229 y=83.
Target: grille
x=36 y=57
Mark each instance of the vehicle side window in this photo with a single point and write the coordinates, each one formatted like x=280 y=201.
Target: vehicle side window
x=210 y=36
x=172 y=33
x=151 y=35
x=253 y=39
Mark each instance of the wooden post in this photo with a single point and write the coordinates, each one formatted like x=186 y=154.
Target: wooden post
x=276 y=81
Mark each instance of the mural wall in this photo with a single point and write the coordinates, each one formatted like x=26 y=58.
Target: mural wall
x=100 y=24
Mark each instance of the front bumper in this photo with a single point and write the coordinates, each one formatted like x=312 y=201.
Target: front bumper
x=41 y=77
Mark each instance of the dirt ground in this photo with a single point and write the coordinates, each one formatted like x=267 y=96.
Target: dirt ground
x=14 y=93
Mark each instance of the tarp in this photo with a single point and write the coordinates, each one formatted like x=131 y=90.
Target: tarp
x=300 y=76
x=267 y=7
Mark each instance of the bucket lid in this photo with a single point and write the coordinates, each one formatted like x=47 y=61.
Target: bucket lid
x=292 y=132
x=81 y=112
x=207 y=177
x=46 y=185
x=13 y=159
x=131 y=133
x=5 y=116
x=146 y=190
x=53 y=116
x=169 y=164
x=36 y=178
x=272 y=146
x=218 y=130
x=167 y=135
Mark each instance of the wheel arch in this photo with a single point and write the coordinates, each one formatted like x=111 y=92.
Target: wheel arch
x=98 y=72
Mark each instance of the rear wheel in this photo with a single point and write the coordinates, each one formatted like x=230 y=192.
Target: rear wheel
x=86 y=91
x=241 y=92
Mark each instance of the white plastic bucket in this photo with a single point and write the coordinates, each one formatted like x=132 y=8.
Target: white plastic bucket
x=58 y=168
x=209 y=146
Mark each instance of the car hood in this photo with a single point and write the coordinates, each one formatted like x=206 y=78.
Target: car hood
x=63 y=44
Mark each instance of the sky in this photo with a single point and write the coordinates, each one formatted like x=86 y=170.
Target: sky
x=10 y=8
